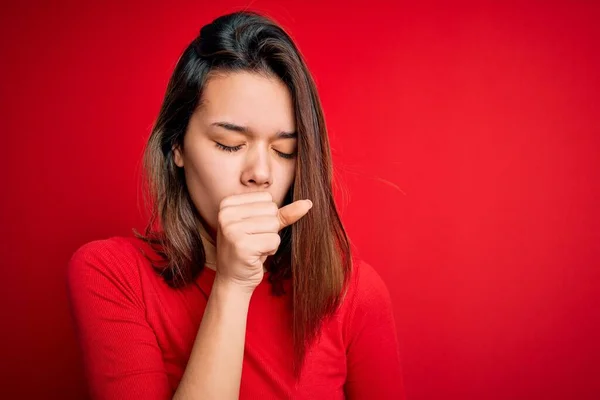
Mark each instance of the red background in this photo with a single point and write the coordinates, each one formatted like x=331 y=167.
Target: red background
x=466 y=144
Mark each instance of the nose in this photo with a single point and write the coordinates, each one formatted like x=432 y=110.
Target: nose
x=257 y=171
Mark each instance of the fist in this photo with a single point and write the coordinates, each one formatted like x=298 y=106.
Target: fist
x=248 y=228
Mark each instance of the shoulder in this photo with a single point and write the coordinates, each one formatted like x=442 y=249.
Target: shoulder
x=112 y=263
x=366 y=287
x=113 y=253
x=367 y=300
x=119 y=248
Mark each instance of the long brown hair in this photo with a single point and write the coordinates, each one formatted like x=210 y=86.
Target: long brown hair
x=314 y=252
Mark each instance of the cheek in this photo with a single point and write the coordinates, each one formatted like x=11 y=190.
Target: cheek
x=290 y=173
x=208 y=179
x=213 y=170
x=290 y=169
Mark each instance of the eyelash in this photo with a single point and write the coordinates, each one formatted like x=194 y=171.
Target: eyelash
x=236 y=148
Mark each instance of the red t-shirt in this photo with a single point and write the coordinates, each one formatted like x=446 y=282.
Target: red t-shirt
x=136 y=333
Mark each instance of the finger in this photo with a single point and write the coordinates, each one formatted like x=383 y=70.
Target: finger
x=257 y=225
x=245 y=198
x=263 y=243
x=293 y=212
x=249 y=210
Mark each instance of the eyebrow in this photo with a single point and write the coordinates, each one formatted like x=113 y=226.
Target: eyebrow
x=247 y=131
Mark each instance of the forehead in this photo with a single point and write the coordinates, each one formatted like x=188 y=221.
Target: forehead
x=260 y=102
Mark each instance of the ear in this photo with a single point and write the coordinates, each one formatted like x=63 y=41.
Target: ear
x=178 y=156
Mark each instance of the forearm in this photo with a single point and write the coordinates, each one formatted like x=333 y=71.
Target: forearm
x=214 y=368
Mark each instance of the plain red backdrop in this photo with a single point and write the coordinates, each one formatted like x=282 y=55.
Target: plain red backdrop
x=466 y=143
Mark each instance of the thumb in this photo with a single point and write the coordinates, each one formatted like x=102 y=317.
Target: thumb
x=293 y=212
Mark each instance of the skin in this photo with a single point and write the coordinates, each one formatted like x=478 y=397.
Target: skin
x=264 y=106
x=239 y=195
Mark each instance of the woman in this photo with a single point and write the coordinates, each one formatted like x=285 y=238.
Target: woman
x=243 y=284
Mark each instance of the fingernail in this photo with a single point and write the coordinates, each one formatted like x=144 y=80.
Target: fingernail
x=310 y=203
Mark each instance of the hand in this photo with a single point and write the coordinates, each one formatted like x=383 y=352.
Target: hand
x=248 y=232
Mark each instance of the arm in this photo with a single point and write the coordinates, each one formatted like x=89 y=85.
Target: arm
x=214 y=370
x=373 y=359
x=121 y=356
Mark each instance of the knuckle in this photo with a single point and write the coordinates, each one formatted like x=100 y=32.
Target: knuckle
x=272 y=241
x=224 y=203
x=274 y=225
x=277 y=239
x=273 y=208
x=222 y=218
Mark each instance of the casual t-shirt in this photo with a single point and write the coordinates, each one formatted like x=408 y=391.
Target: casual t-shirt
x=136 y=333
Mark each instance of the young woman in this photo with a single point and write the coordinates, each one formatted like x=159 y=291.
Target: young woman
x=243 y=284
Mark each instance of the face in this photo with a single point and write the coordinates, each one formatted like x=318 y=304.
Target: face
x=241 y=139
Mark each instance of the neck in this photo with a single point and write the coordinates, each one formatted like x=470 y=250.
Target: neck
x=210 y=249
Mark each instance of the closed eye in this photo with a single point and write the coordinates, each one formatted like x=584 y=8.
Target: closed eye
x=228 y=148
x=232 y=149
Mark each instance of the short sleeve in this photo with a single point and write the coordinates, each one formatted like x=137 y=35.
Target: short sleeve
x=373 y=359
x=121 y=356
